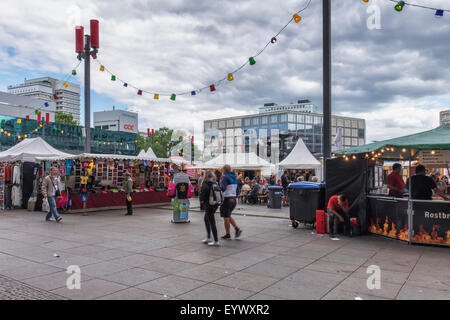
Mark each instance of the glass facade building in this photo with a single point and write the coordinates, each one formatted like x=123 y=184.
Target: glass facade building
x=273 y=135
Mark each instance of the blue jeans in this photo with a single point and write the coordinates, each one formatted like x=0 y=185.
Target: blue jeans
x=52 y=205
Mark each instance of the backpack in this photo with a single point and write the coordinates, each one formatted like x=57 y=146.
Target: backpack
x=215 y=195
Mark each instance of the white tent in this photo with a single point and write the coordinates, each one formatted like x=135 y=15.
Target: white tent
x=240 y=161
x=30 y=149
x=300 y=158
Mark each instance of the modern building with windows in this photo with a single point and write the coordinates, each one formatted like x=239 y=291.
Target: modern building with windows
x=45 y=88
x=444 y=117
x=273 y=134
x=116 y=120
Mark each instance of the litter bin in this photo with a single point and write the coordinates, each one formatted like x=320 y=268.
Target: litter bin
x=304 y=199
x=275 y=195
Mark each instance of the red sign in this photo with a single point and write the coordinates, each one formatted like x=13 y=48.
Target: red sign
x=128 y=127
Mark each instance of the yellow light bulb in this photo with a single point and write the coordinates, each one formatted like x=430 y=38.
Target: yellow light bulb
x=102 y=68
x=433 y=152
x=297 y=18
x=66 y=84
x=403 y=150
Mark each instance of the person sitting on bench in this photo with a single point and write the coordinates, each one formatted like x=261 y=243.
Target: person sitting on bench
x=252 y=196
x=338 y=214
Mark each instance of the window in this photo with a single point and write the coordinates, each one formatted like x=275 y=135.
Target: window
x=333 y=130
x=214 y=125
x=283 y=118
x=238 y=122
x=340 y=122
x=222 y=124
x=354 y=124
x=348 y=123
x=300 y=118
x=361 y=133
x=292 y=117
x=274 y=119
x=317 y=120
x=247 y=122
x=347 y=132
x=361 y=124
x=354 y=142
x=333 y=121
x=354 y=132
x=255 y=121
x=230 y=123
x=348 y=141
x=263 y=120
x=361 y=142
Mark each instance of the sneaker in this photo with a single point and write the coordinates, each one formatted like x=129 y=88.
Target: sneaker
x=238 y=233
x=207 y=240
x=214 y=243
x=227 y=236
x=48 y=219
x=58 y=219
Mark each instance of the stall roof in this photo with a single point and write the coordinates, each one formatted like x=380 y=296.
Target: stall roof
x=242 y=161
x=300 y=158
x=30 y=149
x=102 y=156
x=438 y=138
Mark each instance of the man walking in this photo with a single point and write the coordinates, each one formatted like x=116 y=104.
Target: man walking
x=128 y=188
x=51 y=189
x=229 y=186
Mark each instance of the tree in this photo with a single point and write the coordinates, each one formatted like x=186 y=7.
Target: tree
x=65 y=118
x=161 y=143
x=186 y=146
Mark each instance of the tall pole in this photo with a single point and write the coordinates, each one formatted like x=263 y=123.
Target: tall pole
x=87 y=93
x=326 y=128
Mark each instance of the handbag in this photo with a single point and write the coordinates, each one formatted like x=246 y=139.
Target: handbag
x=57 y=192
x=45 y=205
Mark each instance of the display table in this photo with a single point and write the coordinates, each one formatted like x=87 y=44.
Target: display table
x=388 y=217
x=99 y=201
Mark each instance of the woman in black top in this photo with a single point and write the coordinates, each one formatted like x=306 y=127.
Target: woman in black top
x=210 y=210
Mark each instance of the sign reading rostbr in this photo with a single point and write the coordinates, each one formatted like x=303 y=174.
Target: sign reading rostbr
x=434 y=158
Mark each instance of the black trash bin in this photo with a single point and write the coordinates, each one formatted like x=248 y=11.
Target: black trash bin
x=304 y=199
x=275 y=195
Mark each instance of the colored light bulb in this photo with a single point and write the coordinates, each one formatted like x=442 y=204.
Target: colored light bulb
x=125 y=84
x=252 y=61
x=139 y=92
x=399 y=6
x=102 y=68
x=173 y=97
x=439 y=13
x=297 y=18
x=230 y=77
x=113 y=78
x=273 y=40
x=212 y=88
x=193 y=93
x=65 y=84
x=74 y=72
x=156 y=96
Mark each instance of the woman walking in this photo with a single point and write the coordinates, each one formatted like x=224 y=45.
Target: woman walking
x=210 y=209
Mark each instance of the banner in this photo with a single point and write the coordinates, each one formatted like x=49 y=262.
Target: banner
x=431 y=222
x=435 y=158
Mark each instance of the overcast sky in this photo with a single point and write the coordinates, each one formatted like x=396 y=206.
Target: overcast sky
x=396 y=77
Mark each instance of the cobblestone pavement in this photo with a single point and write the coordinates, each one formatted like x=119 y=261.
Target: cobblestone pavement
x=145 y=256
x=16 y=290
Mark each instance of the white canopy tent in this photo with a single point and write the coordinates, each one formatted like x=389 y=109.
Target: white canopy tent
x=30 y=149
x=300 y=158
x=150 y=155
x=240 y=161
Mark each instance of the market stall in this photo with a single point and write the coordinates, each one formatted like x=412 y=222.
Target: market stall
x=246 y=162
x=300 y=158
x=19 y=172
x=402 y=218
x=102 y=176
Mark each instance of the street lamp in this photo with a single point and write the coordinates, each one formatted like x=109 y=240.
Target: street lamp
x=83 y=45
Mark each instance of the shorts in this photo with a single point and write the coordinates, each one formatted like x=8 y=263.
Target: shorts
x=84 y=197
x=227 y=207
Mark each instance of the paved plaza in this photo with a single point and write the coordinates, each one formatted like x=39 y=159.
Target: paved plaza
x=146 y=257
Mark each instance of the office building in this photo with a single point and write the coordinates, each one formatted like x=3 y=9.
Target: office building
x=273 y=134
x=444 y=117
x=302 y=106
x=116 y=120
x=13 y=106
x=68 y=99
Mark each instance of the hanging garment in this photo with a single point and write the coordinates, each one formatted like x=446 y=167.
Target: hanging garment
x=8 y=170
x=16 y=175
x=16 y=196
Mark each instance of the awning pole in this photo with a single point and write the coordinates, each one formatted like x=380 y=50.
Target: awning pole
x=410 y=211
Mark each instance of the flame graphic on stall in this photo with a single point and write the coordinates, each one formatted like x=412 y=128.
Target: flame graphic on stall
x=424 y=236
x=393 y=232
x=403 y=235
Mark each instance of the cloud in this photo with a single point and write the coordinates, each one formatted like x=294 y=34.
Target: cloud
x=392 y=76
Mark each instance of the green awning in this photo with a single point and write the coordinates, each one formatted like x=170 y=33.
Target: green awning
x=438 y=139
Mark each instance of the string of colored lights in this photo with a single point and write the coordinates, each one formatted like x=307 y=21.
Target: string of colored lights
x=399 y=5
x=212 y=87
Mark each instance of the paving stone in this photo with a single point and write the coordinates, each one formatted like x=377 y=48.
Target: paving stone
x=246 y=281
x=196 y=257
x=14 y=290
x=213 y=291
x=103 y=269
x=332 y=267
x=133 y=294
x=206 y=273
x=168 y=266
x=90 y=289
x=52 y=281
x=171 y=286
x=420 y=293
x=271 y=270
x=387 y=290
x=133 y=277
x=136 y=260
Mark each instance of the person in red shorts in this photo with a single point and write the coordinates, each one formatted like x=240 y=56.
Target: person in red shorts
x=395 y=182
x=338 y=213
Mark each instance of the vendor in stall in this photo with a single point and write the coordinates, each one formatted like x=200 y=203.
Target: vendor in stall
x=423 y=186
x=395 y=182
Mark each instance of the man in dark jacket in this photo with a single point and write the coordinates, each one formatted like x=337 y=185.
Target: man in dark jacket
x=210 y=210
